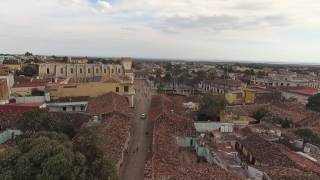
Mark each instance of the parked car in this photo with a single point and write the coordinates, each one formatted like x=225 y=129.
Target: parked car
x=143 y=116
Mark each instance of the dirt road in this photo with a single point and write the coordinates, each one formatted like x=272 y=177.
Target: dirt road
x=134 y=163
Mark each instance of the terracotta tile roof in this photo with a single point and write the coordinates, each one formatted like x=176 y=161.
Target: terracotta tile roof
x=160 y=104
x=284 y=173
x=164 y=110
x=308 y=91
x=114 y=133
x=29 y=84
x=278 y=161
x=244 y=110
x=109 y=103
x=166 y=161
x=265 y=152
x=18 y=107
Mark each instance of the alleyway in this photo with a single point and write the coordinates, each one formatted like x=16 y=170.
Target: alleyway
x=134 y=164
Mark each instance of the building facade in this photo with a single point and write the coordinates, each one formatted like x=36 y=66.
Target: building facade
x=93 y=89
x=76 y=69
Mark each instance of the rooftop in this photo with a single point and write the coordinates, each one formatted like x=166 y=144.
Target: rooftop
x=109 y=103
x=29 y=84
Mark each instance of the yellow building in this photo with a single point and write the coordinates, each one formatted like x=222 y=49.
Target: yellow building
x=235 y=119
x=246 y=96
x=250 y=96
x=234 y=97
x=82 y=88
x=14 y=67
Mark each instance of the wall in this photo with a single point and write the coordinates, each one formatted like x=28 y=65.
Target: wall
x=211 y=126
x=80 y=70
x=4 y=90
x=250 y=97
x=185 y=141
x=25 y=91
x=8 y=134
x=69 y=107
x=92 y=89
x=300 y=98
x=254 y=173
x=29 y=99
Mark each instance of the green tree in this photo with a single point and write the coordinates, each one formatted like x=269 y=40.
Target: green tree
x=285 y=123
x=43 y=156
x=39 y=120
x=168 y=66
x=259 y=114
x=167 y=78
x=309 y=136
x=314 y=103
x=88 y=143
x=211 y=106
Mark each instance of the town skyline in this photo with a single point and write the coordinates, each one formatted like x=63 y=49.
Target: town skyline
x=268 y=30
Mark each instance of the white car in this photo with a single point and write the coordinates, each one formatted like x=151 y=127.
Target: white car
x=143 y=116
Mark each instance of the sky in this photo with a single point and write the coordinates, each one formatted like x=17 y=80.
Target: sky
x=252 y=30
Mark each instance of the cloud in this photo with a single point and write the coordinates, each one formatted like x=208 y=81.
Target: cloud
x=105 y=6
x=224 y=29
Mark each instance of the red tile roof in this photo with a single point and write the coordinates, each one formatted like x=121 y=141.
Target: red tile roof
x=114 y=133
x=109 y=103
x=166 y=160
x=29 y=84
x=308 y=91
x=18 y=107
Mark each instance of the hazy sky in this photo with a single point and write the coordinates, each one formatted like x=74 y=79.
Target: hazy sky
x=262 y=30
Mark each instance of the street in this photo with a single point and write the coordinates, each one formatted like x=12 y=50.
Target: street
x=133 y=165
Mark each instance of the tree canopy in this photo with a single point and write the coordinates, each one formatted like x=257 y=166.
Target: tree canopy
x=314 y=103
x=211 y=106
x=259 y=114
x=39 y=120
x=87 y=142
x=51 y=155
x=46 y=155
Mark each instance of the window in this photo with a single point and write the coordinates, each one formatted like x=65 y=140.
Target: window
x=82 y=108
x=119 y=71
x=61 y=70
x=126 y=89
x=89 y=71
x=71 y=70
x=64 y=108
x=112 y=71
x=48 y=71
x=97 y=70
x=80 y=70
x=73 y=108
x=105 y=71
x=117 y=89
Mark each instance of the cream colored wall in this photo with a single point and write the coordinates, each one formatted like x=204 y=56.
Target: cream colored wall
x=92 y=89
x=127 y=64
x=55 y=70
